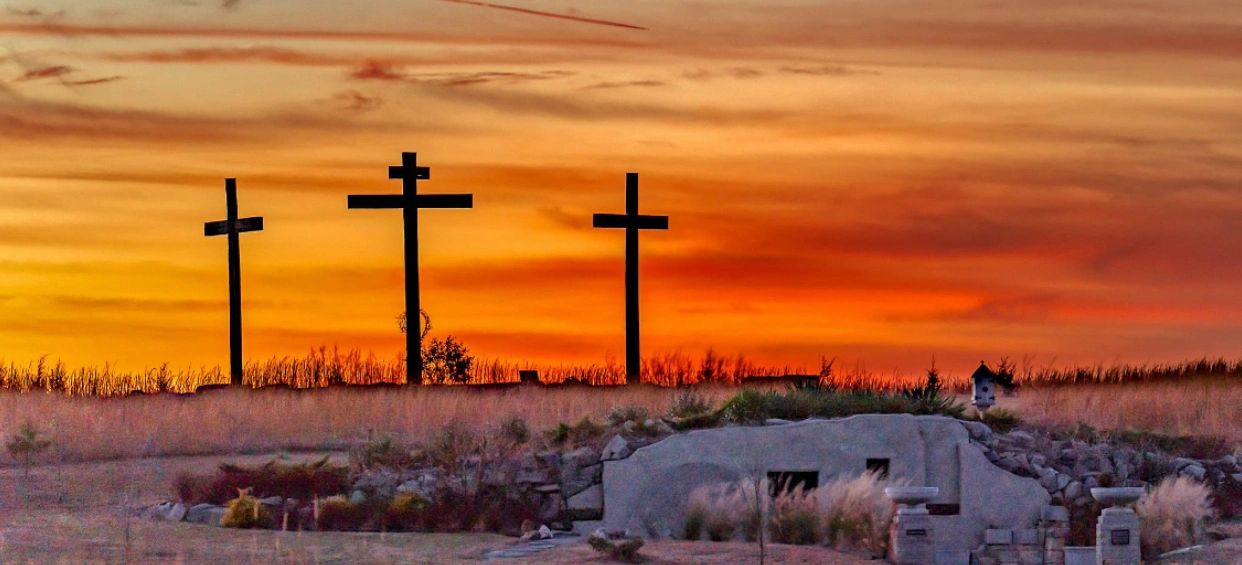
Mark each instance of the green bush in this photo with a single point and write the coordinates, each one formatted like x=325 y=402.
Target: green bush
x=513 y=432
x=751 y=406
x=625 y=550
x=689 y=403
x=245 y=512
x=1000 y=419
x=623 y=414
x=381 y=453
x=582 y=432
x=26 y=444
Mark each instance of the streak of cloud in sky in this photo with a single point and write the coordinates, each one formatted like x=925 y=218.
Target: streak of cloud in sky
x=844 y=179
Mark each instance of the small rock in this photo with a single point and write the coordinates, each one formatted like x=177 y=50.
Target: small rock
x=357 y=497
x=1063 y=480
x=1237 y=477
x=1053 y=513
x=1179 y=462
x=1230 y=461
x=176 y=513
x=1038 y=459
x=1021 y=438
x=1073 y=490
x=209 y=514
x=617 y=448
x=1195 y=471
x=1048 y=480
x=545 y=532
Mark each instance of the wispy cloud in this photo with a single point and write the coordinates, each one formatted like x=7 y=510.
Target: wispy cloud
x=624 y=84
x=355 y=101
x=569 y=17
x=379 y=70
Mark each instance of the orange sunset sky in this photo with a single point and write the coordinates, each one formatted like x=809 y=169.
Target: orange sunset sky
x=878 y=181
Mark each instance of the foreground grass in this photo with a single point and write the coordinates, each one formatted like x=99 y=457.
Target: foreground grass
x=82 y=513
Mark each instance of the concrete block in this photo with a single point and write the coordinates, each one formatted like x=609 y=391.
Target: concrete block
x=1026 y=536
x=994 y=536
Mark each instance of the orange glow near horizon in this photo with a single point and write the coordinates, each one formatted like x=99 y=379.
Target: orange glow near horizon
x=842 y=179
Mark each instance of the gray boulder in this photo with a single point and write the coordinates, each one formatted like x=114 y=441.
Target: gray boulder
x=580 y=469
x=209 y=514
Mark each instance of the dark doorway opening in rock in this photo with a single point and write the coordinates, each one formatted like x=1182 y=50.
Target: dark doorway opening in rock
x=879 y=467
x=788 y=482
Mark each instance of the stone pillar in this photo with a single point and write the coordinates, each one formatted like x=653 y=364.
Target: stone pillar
x=1117 y=531
x=1117 y=537
x=1054 y=521
x=913 y=539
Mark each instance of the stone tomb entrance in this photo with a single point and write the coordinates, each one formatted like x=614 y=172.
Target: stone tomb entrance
x=646 y=492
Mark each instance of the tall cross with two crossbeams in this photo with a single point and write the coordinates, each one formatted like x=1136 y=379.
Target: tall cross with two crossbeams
x=631 y=221
x=409 y=201
x=233 y=227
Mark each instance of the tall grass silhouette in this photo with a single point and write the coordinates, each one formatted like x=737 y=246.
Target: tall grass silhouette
x=330 y=366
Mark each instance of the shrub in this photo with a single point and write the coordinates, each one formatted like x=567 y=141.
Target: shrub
x=689 y=403
x=338 y=514
x=1172 y=514
x=25 y=445
x=623 y=414
x=729 y=508
x=1000 y=419
x=513 y=431
x=447 y=361
x=625 y=550
x=302 y=481
x=582 y=432
x=381 y=453
x=751 y=405
x=856 y=512
x=795 y=519
x=245 y=512
x=748 y=406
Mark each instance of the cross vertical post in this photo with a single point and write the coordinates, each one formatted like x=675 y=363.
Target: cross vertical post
x=232 y=226
x=409 y=201
x=631 y=221
x=408 y=173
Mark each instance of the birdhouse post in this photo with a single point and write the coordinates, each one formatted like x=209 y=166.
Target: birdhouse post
x=984 y=381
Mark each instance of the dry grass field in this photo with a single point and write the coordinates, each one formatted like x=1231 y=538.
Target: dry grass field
x=84 y=428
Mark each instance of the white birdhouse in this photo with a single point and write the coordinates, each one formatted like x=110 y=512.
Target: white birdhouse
x=985 y=387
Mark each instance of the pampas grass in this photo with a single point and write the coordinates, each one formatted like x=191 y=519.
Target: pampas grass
x=849 y=512
x=857 y=512
x=1171 y=515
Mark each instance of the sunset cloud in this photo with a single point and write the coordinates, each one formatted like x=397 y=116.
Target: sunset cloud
x=885 y=182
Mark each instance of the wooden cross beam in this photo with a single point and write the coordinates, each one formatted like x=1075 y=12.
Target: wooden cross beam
x=409 y=201
x=631 y=221
x=233 y=227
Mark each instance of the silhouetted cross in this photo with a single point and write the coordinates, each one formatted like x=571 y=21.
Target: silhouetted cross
x=232 y=227
x=631 y=221
x=409 y=201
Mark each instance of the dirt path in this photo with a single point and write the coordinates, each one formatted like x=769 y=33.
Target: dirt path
x=83 y=514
